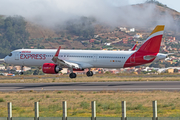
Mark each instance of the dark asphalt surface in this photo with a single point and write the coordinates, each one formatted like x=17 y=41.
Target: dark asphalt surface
x=94 y=86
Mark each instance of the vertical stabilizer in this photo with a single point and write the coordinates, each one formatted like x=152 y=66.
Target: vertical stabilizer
x=153 y=42
x=149 y=50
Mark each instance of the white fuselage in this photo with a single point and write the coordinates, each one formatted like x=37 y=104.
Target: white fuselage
x=97 y=58
x=87 y=58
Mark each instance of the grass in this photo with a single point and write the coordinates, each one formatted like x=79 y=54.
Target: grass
x=84 y=78
x=108 y=103
x=85 y=105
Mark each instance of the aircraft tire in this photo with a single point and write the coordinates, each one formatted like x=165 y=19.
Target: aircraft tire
x=72 y=75
x=21 y=73
x=89 y=73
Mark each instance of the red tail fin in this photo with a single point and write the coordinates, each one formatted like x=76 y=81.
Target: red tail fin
x=148 y=51
x=153 y=42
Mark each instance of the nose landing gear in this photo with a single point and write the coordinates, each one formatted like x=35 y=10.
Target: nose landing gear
x=22 y=70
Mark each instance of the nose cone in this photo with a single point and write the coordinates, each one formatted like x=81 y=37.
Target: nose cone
x=6 y=59
x=2 y=61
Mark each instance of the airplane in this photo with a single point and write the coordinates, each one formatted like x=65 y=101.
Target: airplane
x=134 y=47
x=52 y=61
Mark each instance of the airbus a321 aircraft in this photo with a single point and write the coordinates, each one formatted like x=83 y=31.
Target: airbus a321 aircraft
x=52 y=61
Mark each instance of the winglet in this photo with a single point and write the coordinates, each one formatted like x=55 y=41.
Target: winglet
x=57 y=52
x=134 y=47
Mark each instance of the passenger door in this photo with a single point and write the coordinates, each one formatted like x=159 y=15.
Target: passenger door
x=95 y=58
x=17 y=56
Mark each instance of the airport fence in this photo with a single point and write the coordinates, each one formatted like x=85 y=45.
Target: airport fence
x=93 y=114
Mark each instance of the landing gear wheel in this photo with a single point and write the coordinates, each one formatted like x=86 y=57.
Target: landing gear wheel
x=22 y=69
x=89 y=73
x=72 y=75
x=21 y=73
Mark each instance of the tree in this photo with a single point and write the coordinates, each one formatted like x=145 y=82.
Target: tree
x=13 y=34
x=69 y=37
x=36 y=72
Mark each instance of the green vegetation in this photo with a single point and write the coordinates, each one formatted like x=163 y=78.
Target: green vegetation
x=85 y=105
x=1 y=100
x=13 y=34
x=47 y=96
x=108 y=103
x=156 y=2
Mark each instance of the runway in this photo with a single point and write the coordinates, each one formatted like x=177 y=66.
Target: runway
x=94 y=86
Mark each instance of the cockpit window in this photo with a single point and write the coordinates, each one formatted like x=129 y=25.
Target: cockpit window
x=10 y=54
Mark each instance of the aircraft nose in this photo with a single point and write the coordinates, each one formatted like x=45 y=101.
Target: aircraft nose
x=5 y=59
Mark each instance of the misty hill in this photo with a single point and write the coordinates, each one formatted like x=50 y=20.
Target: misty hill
x=18 y=32
x=164 y=8
x=158 y=13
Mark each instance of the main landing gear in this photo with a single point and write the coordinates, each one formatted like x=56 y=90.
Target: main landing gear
x=72 y=75
x=89 y=73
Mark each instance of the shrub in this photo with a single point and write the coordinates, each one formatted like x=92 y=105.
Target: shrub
x=84 y=105
x=7 y=96
x=54 y=107
x=59 y=92
x=2 y=100
x=99 y=104
x=139 y=107
x=32 y=98
x=15 y=108
x=166 y=105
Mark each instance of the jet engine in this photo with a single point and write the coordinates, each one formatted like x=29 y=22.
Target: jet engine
x=51 y=68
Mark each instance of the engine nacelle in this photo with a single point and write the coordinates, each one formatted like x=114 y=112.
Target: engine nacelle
x=78 y=69
x=51 y=68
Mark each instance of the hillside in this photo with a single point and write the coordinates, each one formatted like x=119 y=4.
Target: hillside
x=39 y=32
x=82 y=33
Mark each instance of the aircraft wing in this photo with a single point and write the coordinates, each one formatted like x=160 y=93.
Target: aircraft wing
x=77 y=65
x=69 y=64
